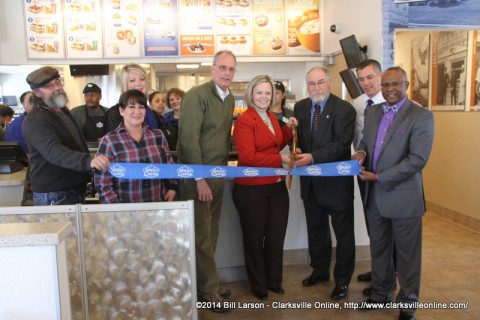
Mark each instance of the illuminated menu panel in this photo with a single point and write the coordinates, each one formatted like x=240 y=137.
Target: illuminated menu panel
x=44 y=29
x=83 y=30
x=122 y=28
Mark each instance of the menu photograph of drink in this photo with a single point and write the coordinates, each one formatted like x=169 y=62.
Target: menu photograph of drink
x=268 y=27
x=83 y=30
x=121 y=28
x=233 y=25
x=160 y=25
x=44 y=29
x=196 y=28
x=303 y=20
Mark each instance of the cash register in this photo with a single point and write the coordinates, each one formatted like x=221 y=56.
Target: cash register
x=12 y=157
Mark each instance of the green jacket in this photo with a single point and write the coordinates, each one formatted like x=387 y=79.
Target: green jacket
x=205 y=126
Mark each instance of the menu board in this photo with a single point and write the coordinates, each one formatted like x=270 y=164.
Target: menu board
x=83 y=29
x=269 y=27
x=44 y=29
x=303 y=20
x=160 y=27
x=196 y=28
x=121 y=29
x=233 y=25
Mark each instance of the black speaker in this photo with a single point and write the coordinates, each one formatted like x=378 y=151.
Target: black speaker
x=79 y=70
x=351 y=83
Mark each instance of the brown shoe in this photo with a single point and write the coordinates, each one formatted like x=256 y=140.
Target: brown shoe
x=215 y=302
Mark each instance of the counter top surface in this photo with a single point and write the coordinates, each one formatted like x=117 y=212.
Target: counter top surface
x=33 y=234
x=13 y=179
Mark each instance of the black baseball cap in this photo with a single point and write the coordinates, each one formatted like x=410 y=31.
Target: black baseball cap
x=279 y=86
x=92 y=87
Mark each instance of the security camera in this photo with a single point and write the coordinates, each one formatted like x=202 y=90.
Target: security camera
x=335 y=28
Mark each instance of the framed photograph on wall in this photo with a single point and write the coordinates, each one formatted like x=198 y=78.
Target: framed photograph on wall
x=420 y=77
x=475 y=89
x=449 y=72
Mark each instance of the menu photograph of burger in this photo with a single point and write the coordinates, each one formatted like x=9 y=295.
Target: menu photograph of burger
x=82 y=29
x=303 y=21
x=268 y=27
x=233 y=25
x=121 y=28
x=160 y=28
x=44 y=29
x=196 y=28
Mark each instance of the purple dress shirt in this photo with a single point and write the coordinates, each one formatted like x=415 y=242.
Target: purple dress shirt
x=385 y=123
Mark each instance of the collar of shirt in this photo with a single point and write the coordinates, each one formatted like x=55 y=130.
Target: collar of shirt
x=399 y=104
x=221 y=93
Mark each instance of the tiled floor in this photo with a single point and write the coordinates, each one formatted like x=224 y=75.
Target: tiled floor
x=451 y=273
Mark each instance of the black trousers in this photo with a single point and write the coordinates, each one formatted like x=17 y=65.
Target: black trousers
x=320 y=240
x=263 y=213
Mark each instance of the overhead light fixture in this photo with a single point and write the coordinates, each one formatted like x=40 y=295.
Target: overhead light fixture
x=187 y=66
x=206 y=64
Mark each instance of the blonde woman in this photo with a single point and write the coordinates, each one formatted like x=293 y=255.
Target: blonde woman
x=132 y=76
x=262 y=202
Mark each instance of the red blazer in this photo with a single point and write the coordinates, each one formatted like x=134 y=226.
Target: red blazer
x=257 y=146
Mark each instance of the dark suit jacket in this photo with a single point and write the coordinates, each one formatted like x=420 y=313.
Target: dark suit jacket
x=405 y=152
x=333 y=143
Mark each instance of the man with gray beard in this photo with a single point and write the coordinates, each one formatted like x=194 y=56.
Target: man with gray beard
x=60 y=162
x=325 y=132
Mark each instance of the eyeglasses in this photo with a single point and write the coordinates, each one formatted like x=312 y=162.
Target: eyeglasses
x=394 y=84
x=53 y=84
x=313 y=84
x=225 y=68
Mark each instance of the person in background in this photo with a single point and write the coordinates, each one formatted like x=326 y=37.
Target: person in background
x=170 y=119
x=262 y=202
x=132 y=76
x=396 y=144
x=157 y=102
x=14 y=130
x=204 y=135
x=279 y=110
x=6 y=115
x=133 y=141
x=325 y=134
x=369 y=75
x=59 y=157
x=91 y=116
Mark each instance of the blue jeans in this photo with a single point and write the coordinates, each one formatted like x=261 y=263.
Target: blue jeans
x=57 y=198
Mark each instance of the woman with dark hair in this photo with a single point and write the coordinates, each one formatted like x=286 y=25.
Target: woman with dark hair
x=156 y=101
x=279 y=109
x=170 y=119
x=134 y=141
x=262 y=202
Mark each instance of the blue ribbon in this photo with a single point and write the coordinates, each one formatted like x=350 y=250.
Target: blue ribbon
x=187 y=171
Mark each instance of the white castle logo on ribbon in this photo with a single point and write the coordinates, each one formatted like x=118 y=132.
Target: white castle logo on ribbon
x=344 y=168
x=251 y=172
x=314 y=170
x=218 y=172
x=281 y=172
x=151 y=171
x=117 y=170
x=185 y=172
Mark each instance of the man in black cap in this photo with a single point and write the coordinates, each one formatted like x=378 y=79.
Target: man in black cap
x=91 y=115
x=59 y=157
